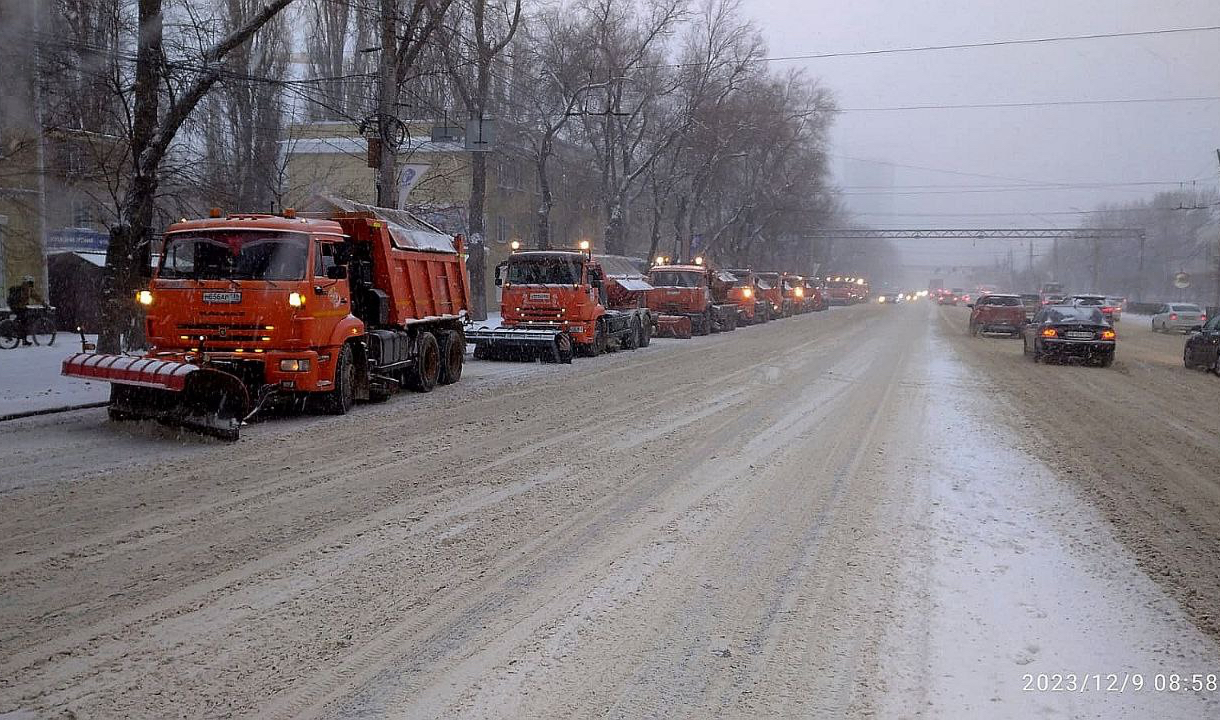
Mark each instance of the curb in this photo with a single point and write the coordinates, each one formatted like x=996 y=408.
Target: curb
x=52 y=411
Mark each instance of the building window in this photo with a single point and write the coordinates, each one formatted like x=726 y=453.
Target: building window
x=82 y=213
x=501 y=230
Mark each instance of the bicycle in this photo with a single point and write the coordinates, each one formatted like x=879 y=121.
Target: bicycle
x=42 y=328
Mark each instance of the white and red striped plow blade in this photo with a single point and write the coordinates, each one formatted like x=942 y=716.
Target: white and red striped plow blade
x=129 y=370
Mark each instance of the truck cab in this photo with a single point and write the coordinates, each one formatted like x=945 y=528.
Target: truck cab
x=684 y=297
x=266 y=297
x=771 y=288
x=551 y=289
x=744 y=293
x=795 y=293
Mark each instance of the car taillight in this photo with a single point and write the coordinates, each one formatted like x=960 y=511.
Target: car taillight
x=1108 y=335
x=1202 y=318
x=1173 y=316
x=1050 y=332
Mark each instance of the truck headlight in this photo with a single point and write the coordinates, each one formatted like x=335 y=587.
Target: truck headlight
x=296 y=299
x=747 y=292
x=294 y=365
x=144 y=297
x=800 y=292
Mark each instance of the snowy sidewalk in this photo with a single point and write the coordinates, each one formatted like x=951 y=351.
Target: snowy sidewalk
x=30 y=379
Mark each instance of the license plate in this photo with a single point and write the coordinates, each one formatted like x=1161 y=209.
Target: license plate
x=673 y=292
x=540 y=296
x=576 y=329
x=1079 y=335
x=222 y=297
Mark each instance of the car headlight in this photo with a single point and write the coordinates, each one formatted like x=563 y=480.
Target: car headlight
x=294 y=365
x=144 y=297
x=296 y=299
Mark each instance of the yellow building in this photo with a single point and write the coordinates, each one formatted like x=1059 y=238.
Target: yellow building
x=332 y=158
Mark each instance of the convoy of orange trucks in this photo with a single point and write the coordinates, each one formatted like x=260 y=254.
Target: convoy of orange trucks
x=252 y=311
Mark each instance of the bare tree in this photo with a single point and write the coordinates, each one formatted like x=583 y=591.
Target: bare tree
x=154 y=125
x=490 y=38
x=245 y=120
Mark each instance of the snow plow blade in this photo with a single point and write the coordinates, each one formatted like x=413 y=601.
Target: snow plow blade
x=202 y=399
x=504 y=343
x=674 y=326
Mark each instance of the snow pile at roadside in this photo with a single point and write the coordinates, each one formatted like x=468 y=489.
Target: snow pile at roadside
x=30 y=379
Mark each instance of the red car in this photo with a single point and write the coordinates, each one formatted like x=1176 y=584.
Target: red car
x=997 y=313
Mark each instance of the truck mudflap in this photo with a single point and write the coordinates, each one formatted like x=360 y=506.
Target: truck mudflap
x=202 y=399
x=529 y=344
x=675 y=326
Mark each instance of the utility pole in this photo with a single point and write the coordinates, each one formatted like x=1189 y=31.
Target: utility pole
x=1139 y=278
x=387 y=97
x=1030 y=267
x=1096 y=265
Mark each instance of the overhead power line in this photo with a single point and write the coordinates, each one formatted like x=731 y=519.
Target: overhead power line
x=1044 y=103
x=967 y=46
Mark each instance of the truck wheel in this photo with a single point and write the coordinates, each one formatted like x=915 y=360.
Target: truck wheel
x=563 y=344
x=631 y=340
x=646 y=333
x=599 y=339
x=422 y=378
x=341 y=399
x=702 y=326
x=452 y=355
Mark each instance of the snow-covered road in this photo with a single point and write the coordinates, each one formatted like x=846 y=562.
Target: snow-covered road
x=30 y=379
x=834 y=515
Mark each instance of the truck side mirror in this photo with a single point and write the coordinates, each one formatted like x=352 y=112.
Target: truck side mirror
x=337 y=272
x=499 y=275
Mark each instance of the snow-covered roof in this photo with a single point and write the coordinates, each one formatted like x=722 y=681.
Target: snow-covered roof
x=359 y=146
x=94 y=258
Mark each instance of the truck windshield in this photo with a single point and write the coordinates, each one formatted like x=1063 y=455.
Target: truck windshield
x=669 y=278
x=549 y=270
x=235 y=255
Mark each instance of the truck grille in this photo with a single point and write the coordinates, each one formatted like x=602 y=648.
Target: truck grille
x=540 y=314
x=225 y=333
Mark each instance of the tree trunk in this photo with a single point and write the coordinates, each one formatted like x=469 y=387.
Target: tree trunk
x=615 y=226
x=544 y=188
x=120 y=277
x=476 y=243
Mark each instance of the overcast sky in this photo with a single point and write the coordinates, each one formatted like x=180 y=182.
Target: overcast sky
x=1077 y=145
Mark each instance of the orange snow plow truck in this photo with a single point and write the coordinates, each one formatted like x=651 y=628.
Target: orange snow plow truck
x=556 y=303
x=247 y=311
x=684 y=297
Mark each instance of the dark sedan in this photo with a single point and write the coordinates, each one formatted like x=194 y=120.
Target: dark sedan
x=1070 y=332
x=1202 y=349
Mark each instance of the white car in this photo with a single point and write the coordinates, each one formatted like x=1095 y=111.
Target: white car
x=1177 y=317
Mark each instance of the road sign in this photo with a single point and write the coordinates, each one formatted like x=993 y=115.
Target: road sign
x=1181 y=281
x=480 y=135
